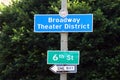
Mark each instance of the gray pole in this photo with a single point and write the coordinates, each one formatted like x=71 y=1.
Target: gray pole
x=64 y=41
x=63 y=12
x=64 y=47
x=64 y=36
x=64 y=4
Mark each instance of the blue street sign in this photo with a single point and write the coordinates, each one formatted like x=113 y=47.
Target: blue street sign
x=70 y=23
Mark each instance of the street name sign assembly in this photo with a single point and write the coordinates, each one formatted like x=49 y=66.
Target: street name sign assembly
x=63 y=57
x=56 y=23
x=63 y=68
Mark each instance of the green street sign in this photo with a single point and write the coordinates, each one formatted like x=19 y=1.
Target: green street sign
x=62 y=57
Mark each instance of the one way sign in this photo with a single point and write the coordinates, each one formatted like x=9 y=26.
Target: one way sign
x=64 y=68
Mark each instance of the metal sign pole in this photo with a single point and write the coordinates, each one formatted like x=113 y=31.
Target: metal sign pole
x=63 y=12
x=64 y=4
x=64 y=41
x=64 y=36
x=64 y=47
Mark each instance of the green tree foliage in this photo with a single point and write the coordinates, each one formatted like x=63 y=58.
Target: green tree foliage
x=1 y=6
x=23 y=52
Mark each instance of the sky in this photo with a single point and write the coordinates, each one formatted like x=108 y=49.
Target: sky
x=5 y=2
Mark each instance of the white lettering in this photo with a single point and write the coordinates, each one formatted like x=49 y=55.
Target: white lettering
x=69 y=20
x=49 y=20
x=53 y=26
x=63 y=20
x=77 y=26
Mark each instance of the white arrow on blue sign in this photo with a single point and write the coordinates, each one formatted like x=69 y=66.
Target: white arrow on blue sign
x=70 y=23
